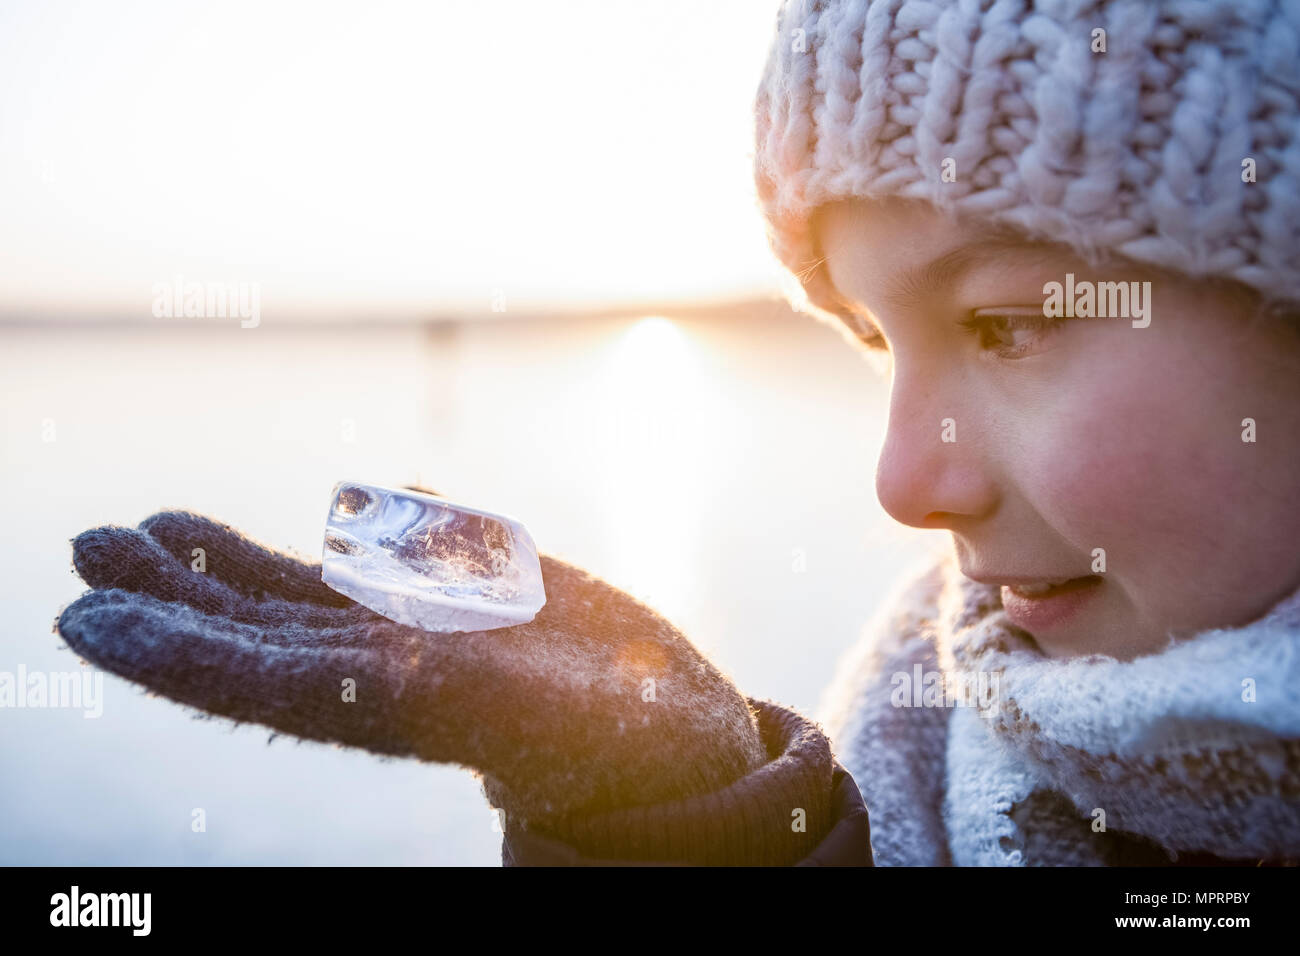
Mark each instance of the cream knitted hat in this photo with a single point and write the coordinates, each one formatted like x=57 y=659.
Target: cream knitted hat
x=1144 y=150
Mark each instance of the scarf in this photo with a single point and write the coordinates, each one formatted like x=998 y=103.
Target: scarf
x=1195 y=748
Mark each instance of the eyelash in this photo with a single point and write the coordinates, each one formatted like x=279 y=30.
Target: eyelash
x=866 y=333
x=982 y=325
x=978 y=325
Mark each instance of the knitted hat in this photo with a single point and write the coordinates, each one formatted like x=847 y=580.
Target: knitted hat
x=1134 y=140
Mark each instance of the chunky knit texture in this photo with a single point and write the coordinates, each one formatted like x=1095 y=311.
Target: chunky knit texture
x=1164 y=744
x=1136 y=151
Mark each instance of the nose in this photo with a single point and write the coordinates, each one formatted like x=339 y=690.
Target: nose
x=933 y=470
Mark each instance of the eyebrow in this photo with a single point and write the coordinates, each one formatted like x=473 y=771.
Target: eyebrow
x=946 y=270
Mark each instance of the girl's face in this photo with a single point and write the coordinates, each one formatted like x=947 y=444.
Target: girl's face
x=1046 y=446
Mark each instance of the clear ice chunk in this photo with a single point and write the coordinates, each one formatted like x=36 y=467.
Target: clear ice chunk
x=423 y=561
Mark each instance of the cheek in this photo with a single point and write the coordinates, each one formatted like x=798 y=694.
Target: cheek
x=1135 y=462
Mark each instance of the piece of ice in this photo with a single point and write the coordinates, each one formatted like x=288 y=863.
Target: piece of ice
x=423 y=561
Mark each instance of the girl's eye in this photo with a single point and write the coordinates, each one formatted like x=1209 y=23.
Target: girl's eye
x=1010 y=333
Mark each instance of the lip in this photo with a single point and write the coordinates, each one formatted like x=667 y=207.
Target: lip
x=1055 y=607
x=1017 y=578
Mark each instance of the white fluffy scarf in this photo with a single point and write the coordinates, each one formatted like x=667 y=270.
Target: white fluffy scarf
x=1196 y=747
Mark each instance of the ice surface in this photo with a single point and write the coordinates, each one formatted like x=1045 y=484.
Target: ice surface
x=426 y=562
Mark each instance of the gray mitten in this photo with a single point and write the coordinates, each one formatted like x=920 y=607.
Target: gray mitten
x=555 y=713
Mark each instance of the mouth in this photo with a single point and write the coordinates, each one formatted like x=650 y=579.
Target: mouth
x=1037 y=604
x=1042 y=605
x=1041 y=589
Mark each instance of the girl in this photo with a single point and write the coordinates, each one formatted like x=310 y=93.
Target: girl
x=1125 y=569
x=1071 y=230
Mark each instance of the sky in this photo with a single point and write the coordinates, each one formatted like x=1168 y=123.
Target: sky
x=380 y=159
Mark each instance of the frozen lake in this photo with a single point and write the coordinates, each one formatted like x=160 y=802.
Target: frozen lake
x=721 y=470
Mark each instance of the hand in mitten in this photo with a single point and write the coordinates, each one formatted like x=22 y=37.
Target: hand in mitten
x=595 y=708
